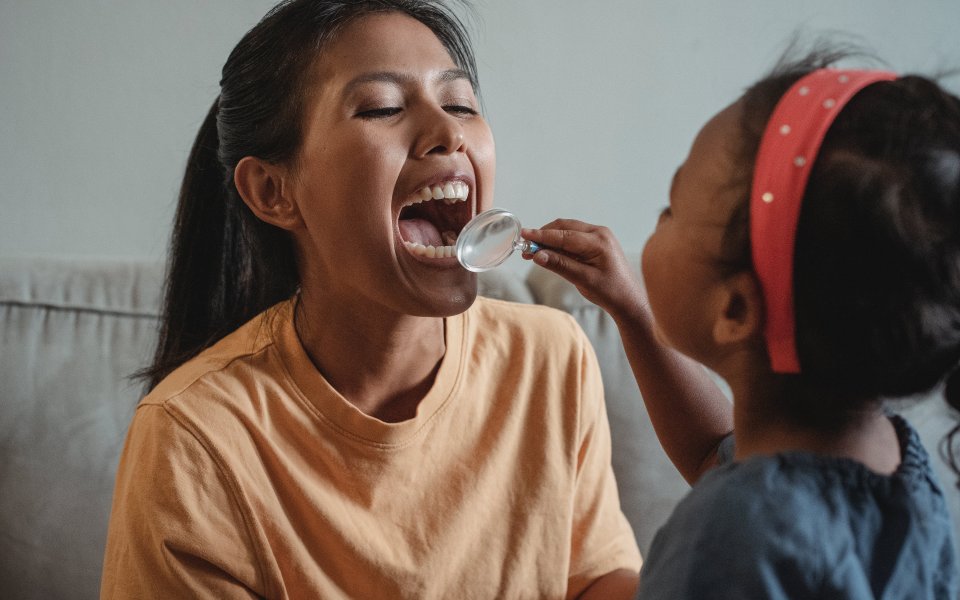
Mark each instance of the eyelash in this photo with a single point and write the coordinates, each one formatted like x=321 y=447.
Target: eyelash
x=664 y=213
x=379 y=113
x=389 y=111
x=460 y=109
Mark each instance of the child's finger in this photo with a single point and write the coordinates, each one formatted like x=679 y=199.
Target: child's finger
x=571 y=224
x=564 y=266
x=577 y=243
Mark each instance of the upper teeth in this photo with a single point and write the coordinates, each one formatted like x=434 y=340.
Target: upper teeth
x=450 y=192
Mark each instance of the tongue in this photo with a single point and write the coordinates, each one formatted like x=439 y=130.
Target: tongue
x=420 y=231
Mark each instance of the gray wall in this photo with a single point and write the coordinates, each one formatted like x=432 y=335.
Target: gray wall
x=593 y=104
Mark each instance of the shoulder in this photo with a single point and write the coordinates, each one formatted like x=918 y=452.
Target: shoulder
x=217 y=396
x=757 y=501
x=530 y=322
x=519 y=311
x=224 y=366
x=534 y=354
x=539 y=340
x=751 y=529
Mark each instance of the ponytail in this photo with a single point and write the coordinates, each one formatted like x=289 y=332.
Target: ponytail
x=225 y=265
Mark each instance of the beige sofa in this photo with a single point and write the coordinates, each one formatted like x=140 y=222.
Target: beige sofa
x=72 y=331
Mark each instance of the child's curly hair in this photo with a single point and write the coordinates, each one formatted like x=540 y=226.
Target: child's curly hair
x=877 y=259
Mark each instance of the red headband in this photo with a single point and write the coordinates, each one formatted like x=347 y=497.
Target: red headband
x=787 y=152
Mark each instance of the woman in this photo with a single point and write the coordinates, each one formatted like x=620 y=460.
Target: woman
x=334 y=413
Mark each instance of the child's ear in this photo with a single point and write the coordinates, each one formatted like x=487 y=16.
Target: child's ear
x=740 y=314
x=262 y=187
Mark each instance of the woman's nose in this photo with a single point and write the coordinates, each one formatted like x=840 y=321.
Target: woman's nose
x=441 y=133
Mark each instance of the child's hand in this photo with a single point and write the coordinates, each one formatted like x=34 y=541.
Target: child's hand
x=590 y=257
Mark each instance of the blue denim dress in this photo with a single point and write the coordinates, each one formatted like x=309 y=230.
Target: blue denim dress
x=799 y=525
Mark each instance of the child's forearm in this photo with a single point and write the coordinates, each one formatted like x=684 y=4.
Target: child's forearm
x=689 y=412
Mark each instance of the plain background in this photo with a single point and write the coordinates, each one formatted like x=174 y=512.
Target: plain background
x=593 y=103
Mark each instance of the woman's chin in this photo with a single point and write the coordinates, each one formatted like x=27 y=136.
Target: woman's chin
x=449 y=300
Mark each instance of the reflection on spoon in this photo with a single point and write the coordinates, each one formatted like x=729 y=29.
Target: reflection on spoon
x=489 y=239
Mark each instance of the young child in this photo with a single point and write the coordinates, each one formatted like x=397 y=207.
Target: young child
x=810 y=255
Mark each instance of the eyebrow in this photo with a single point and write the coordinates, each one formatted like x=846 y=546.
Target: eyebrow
x=401 y=78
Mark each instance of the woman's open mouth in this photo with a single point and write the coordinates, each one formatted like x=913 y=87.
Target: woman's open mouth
x=432 y=219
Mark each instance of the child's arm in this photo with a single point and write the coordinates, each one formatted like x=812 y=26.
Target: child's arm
x=688 y=411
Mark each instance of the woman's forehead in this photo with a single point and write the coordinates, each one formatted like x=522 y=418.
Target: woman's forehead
x=382 y=43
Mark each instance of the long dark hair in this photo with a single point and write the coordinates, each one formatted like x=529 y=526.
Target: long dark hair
x=225 y=265
x=877 y=259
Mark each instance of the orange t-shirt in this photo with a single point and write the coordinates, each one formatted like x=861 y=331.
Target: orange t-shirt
x=245 y=474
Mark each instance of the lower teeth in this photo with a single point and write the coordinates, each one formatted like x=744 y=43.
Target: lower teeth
x=431 y=251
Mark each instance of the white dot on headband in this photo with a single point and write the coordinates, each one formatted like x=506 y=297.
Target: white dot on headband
x=784 y=129
x=799 y=161
x=843 y=79
x=767 y=197
x=804 y=91
x=829 y=103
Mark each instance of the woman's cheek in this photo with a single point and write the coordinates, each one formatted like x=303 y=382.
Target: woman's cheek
x=484 y=160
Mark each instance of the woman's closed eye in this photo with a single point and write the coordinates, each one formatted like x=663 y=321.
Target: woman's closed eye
x=460 y=109
x=389 y=111
x=379 y=113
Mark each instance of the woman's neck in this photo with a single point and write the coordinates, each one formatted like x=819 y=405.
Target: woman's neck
x=381 y=362
x=763 y=427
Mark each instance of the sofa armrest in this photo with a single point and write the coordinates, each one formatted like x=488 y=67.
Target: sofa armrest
x=71 y=333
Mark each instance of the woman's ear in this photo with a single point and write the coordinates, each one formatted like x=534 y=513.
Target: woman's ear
x=740 y=314
x=262 y=187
